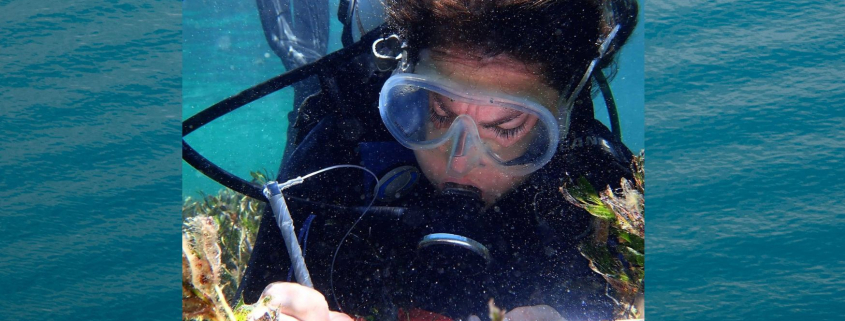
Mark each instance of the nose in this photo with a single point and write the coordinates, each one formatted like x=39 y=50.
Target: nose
x=464 y=154
x=459 y=163
x=459 y=145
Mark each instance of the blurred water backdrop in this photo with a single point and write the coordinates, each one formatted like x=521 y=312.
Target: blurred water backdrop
x=745 y=142
x=89 y=153
x=745 y=129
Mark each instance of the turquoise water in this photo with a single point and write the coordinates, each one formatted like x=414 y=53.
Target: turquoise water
x=225 y=52
x=745 y=131
x=744 y=134
x=89 y=154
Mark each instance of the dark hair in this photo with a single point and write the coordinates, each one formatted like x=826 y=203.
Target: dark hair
x=624 y=13
x=561 y=36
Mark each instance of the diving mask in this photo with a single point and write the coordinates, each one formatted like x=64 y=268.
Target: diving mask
x=425 y=110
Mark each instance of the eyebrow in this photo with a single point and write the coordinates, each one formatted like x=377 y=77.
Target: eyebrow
x=514 y=114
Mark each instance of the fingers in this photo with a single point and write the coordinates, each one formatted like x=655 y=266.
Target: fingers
x=298 y=301
x=534 y=313
x=262 y=313
x=282 y=317
x=295 y=302
x=337 y=316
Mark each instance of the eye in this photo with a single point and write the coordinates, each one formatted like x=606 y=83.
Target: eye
x=509 y=127
x=438 y=113
x=438 y=120
x=508 y=133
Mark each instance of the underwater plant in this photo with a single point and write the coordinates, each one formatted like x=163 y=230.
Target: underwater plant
x=617 y=247
x=217 y=237
x=202 y=297
x=238 y=217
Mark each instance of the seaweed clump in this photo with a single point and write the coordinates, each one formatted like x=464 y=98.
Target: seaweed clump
x=202 y=297
x=217 y=237
x=617 y=247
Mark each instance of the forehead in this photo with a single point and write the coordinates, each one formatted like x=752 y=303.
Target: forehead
x=500 y=73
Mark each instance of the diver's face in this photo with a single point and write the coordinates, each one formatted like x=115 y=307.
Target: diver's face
x=511 y=133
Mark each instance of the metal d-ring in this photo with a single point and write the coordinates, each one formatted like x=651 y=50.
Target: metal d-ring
x=390 y=50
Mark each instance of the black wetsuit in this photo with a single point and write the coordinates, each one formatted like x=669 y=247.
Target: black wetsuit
x=531 y=231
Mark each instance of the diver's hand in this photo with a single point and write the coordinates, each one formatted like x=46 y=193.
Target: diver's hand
x=529 y=313
x=535 y=313
x=294 y=302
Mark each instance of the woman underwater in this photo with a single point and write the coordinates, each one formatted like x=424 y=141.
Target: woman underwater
x=485 y=115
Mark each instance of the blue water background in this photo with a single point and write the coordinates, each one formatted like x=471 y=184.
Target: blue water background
x=89 y=131
x=745 y=142
x=745 y=126
x=225 y=52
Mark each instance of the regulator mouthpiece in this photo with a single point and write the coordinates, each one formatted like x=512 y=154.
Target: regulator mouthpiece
x=452 y=243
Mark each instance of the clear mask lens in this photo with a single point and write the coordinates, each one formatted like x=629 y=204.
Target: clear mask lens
x=475 y=127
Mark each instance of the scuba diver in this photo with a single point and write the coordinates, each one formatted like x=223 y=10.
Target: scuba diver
x=472 y=115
